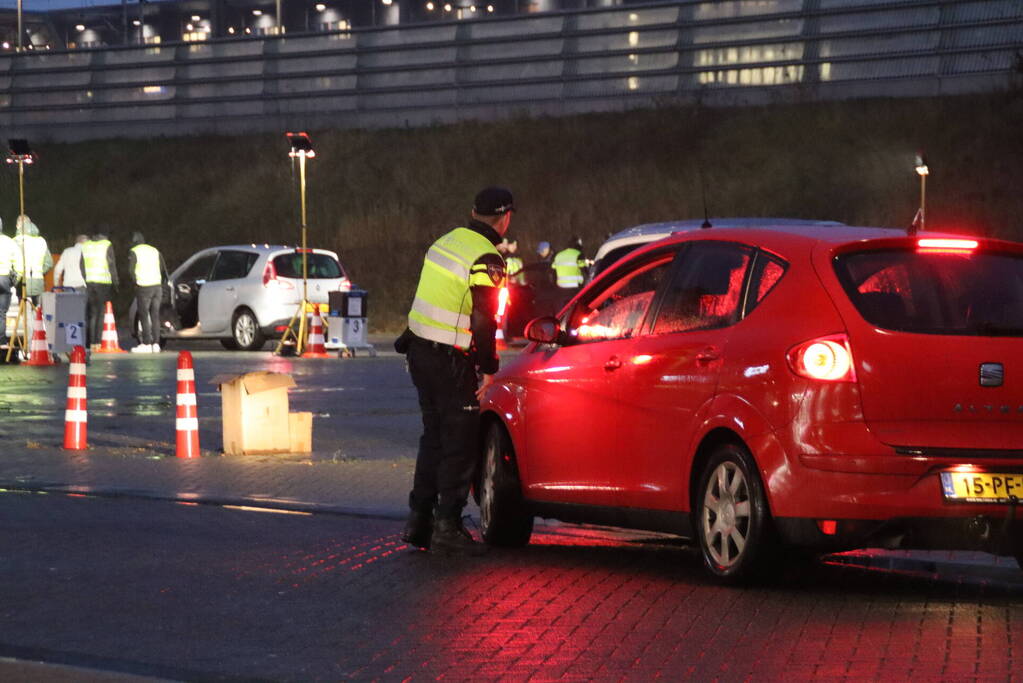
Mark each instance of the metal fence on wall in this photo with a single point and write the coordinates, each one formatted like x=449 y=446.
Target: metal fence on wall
x=723 y=52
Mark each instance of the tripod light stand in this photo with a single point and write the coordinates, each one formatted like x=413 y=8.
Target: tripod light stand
x=301 y=149
x=21 y=154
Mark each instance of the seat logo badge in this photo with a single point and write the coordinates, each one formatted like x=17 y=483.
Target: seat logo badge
x=991 y=374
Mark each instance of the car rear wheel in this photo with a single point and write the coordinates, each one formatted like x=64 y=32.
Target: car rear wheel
x=732 y=517
x=504 y=519
x=245 y=331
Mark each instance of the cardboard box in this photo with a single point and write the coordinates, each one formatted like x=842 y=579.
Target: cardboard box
x=255 y=412
x=300 y=427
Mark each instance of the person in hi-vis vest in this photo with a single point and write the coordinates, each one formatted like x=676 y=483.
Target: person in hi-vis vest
x=148 y=271
x=569 y=264
x=449 y=344
x=100 y=271
x=36 y=261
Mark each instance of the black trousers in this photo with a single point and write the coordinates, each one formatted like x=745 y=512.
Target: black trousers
x=448 y=449
x=147 y=303
x=95 y=307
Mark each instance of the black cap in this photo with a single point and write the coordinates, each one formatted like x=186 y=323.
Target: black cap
x=494 y=201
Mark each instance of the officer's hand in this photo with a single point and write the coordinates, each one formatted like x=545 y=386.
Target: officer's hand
x=487 y=379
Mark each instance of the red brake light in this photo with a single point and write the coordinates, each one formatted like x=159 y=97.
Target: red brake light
x=827 y=359
x=269 y=273
x=931 y=244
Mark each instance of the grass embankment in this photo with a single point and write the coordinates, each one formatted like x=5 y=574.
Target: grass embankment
x=379 y=197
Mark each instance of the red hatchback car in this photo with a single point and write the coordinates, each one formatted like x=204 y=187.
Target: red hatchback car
x=754 y=388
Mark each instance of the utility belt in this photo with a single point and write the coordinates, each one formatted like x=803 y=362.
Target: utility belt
x=408 y=338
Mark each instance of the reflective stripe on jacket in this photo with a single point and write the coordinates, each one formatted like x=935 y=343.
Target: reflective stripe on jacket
x=147 y=266
x=442 y=309
x=94 y=253
x=566 y=266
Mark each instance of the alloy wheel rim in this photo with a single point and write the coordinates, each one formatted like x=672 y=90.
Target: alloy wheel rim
x=726 y=514
x=245 y=329
x=487 y=493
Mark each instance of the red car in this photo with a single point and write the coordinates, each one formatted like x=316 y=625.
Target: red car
x=827 y=387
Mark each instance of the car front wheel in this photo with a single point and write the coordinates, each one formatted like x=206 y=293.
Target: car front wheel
x=732 y=517
x=504 y=519
x=245 y=331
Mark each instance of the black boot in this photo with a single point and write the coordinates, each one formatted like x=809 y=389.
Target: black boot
x=451 y=538
x=418 y=528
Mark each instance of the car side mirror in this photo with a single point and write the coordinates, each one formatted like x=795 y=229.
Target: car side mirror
x=545 y=330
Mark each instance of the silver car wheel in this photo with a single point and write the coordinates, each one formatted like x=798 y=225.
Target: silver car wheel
x=726 y=514
x=244 y=329
x=487 y=493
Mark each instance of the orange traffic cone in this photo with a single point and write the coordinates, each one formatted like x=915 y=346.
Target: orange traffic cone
x=188 y=415
x=76 y=415
x=315 y=347
x=38 y=349
x=108 y=342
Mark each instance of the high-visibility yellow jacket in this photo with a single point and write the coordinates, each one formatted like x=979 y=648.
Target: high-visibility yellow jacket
x=94 y=256
x=442 y=309
x=568 y=265
x=147 y=266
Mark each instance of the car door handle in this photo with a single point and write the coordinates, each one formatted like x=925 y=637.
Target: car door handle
x=228 y=289
x=613 y=363
x=707 y=355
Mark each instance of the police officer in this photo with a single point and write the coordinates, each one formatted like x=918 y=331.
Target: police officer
x=569 y=264
x=148 y=272
x=36 y=260
x=8 y=254
x=513 y=263
x=450 y=338
x=100 y=271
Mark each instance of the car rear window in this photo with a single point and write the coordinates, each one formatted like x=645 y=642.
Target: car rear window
x=321 y=266
x=956 y=292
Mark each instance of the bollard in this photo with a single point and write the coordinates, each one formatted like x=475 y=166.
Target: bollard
x=315 y=347
x=38 y=349
x=188 y=415
x=76 y=416
x=108 y=342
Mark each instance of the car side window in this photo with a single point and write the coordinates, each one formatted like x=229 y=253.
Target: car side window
x=706 y=290
x=200 y=268
x=232 y=265
x=618 y=311
x=767 y=272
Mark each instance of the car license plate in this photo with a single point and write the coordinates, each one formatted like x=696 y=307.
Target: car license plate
x=981 y=487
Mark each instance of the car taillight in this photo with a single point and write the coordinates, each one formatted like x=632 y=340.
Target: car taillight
x=828 y=359
x=270 y=278
x=944 y=245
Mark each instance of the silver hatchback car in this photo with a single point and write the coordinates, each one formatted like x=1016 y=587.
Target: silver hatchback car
x=244 y=294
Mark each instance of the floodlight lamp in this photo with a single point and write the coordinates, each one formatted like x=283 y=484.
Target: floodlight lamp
x=79 y=27
x=301 y=145
x=921 y=165
x=320 y=7
x=19 y=151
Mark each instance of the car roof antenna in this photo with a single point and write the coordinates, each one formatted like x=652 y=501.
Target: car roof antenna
x=703 y=191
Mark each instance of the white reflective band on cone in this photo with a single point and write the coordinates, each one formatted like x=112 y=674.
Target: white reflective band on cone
x=186 y=399
x=188 y=424
x=76 y=392
x=78 y=368
x=186 y=375
x=76 y=416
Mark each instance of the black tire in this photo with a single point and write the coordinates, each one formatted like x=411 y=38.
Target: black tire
x=229 y=343
x=733 y=520
x=504 y=519
x=245 y=331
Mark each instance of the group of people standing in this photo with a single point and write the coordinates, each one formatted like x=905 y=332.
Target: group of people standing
x=88 y=265
x=566 y=268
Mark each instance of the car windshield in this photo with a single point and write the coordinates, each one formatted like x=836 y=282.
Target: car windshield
x=953 y=292
x=321 y=266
